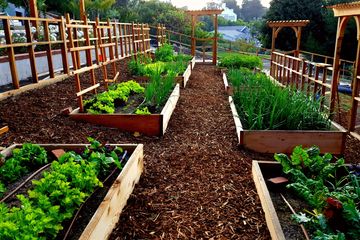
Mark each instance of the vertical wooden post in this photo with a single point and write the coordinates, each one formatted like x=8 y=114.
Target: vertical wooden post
x=143 y=39
x=317 y=72
x=116 y=40
x=303 y=72
x=126 y=40
x=111 y=47
x=31 y=51
x=11 y=54
x=193 y=40
x=273 y=39
x=88 y=51
x=342 y=22
x=134 y=52
x=64 y=52
x=215 y=39
x=34 y=12
x=48 y=49
x=323 y=88
x=298 y=41
x=121 y=39
x=75 y=64
x=82 y=9
x=356 y=81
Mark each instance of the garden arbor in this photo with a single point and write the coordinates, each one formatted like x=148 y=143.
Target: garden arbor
x=296 y=25
x=345 y=12
x=194 y=15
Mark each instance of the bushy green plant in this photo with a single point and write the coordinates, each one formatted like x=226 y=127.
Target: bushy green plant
x=23 y=160
x=182 y=58
x=335 y=201
x=165 y=53
x=143 y=111
x=264 y=106
x=236 y=60
x=118 y=94
x=156 y=68
x=55 y=197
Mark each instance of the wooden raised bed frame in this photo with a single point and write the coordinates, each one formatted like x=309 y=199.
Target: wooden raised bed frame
x=153 y=124
x=284 y=141
x=107 y=215
x=271 y=217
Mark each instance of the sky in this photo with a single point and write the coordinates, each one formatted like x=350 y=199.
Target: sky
x=199 y=4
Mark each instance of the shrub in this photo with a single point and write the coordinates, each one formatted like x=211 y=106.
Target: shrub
x=235 y=60
x=165 y=53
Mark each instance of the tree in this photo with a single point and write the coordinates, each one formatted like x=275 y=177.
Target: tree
x=252 y=9
x=3 y=4
x=318 y=36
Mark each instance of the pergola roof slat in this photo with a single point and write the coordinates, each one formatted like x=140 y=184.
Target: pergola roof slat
x=288 y=23
x=204 y=12
x=346 y=9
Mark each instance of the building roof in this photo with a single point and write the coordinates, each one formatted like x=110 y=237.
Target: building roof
x=345 y=5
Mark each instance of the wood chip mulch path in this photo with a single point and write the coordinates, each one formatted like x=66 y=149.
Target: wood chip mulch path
x=197 y=183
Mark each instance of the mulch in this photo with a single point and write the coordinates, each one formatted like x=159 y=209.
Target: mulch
x=197 y=183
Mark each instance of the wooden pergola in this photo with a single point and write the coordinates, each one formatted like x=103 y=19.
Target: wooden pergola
x=296 y=25
x=194 y=15
x=345 y=12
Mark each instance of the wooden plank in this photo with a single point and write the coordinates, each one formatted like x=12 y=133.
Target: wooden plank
x=273 y=141
x=271 y=217
x=108 y=213
x=186 y=75
x=193 y=61
x=64 y=49
x=170 y=107
x=31 y=52
x=88 y=90
x=85 y=69
x=48 y=50
x=33 y=86
x=238 y=125
x=11 y=54
x=150 y=125
x=78 y=26
x=75 y=49
x=226 y=83
x=4 y=130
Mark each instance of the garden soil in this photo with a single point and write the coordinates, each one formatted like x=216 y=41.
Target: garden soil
x=197 y=182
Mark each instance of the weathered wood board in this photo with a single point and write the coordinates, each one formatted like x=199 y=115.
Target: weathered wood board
x=284 y=141
x=147 y=124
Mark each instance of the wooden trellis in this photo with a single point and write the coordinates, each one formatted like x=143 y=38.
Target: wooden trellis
x=296 y=25
x=345 y=12
x=194 y=15
x=304 y=75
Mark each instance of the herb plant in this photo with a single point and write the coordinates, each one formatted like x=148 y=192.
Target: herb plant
x=264 y=106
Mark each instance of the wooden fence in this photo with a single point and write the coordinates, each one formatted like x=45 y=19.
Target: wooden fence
x=313 y=78
x=103 y=42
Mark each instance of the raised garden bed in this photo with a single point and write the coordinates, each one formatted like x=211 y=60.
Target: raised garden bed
x=152 y=124
x=308 y=189
x=182 y=80
x=275 y=141
x=97 y=220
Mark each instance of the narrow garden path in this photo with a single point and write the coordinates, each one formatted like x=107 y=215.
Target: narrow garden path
x=197 y=183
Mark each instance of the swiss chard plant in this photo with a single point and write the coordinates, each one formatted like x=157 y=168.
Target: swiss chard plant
x=334 y=199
